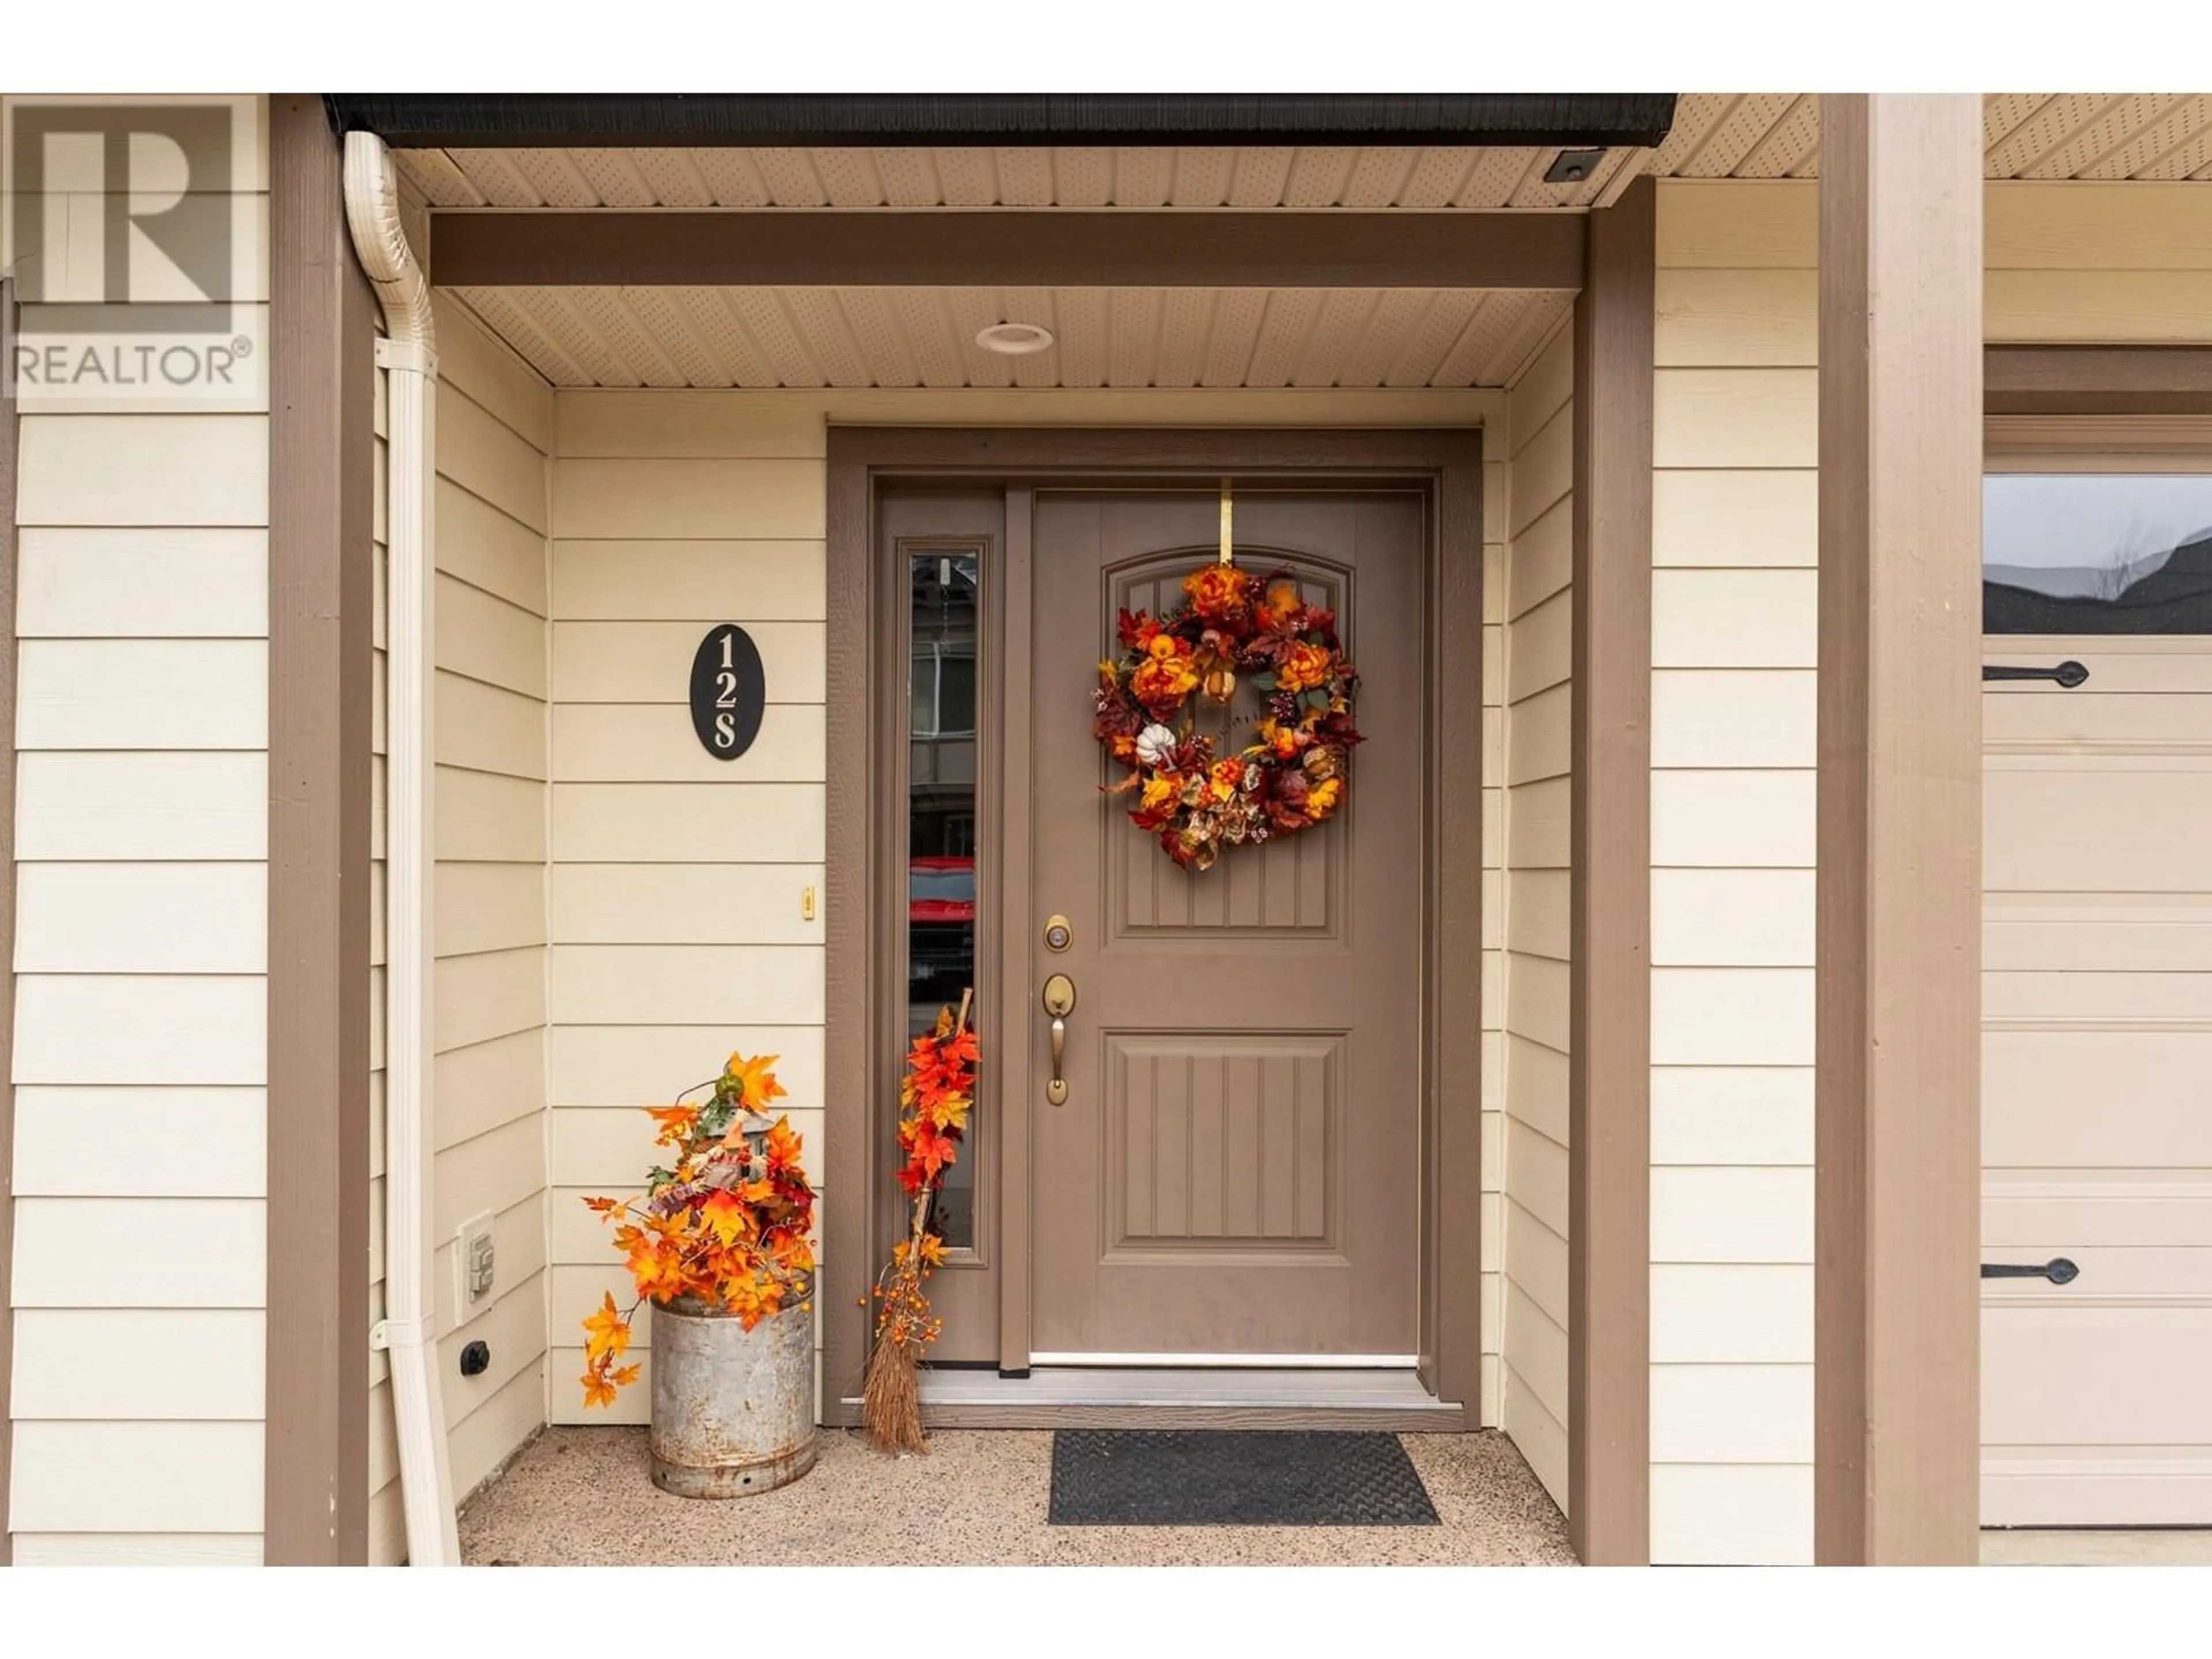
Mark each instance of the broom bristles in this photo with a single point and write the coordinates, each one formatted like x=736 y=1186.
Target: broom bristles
x=891 y=1400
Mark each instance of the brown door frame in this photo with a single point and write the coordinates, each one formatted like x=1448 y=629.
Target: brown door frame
x=860 y=1081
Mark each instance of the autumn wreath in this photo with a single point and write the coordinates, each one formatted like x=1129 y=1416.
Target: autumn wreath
x=1200 y=796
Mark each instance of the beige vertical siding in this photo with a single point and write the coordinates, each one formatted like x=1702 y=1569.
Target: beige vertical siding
x=495 y=421
x=1534 y=667
x=140 y=952
x=1732 y=754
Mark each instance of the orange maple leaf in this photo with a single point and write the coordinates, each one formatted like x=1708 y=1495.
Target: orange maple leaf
x=725 y=1213
x=783 y=1144
x=676 y=1123
x=599 y=1390
x=602 y=1205
x=657 y=1269
x=609 y=1334
x=932 y=1249
x=959 y=1050
x=757 y=1085
x=949 y=1111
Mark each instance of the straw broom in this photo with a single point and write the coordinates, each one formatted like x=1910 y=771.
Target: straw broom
x=890 y=1399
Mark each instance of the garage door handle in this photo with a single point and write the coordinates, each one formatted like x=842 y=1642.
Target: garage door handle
x=2058 y=1270
x=2069 y=673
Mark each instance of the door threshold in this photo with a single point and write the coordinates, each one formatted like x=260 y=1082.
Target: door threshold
x=1151 y=1396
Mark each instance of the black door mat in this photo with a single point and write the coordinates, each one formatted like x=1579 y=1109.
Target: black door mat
x=1235 y=1478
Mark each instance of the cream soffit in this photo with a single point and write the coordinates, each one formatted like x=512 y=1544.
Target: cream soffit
x=1760 y=135
x=2025 y=134
x=855 y=338
x=1041 y=177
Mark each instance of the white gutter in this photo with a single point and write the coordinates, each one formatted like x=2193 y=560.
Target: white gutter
x=409 y=353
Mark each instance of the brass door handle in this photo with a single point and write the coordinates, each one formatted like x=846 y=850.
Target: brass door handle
x=1059 y=1002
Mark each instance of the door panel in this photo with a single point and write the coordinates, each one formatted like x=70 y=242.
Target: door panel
x=1235 y=1169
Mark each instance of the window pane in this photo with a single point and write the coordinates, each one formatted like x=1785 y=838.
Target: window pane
x=925 y=692
x=956 y=693
x=2097 y=553
x=941 y=827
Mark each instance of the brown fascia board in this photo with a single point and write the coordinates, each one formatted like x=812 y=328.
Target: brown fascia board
x=1016 y=249
x=555 y=121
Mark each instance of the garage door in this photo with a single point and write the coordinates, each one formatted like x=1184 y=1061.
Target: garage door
x=2097 y=1003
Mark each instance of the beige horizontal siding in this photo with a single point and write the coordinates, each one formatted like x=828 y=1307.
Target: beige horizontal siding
x=141 y=583
x=137 y=1477
x=215 y=1142
x=143 y=1364
x=140 y=835
x=492 y=505
x=142 y=1549
x=157 y=470
x=1734 y=614
x=1526 y=994
x=142 y=806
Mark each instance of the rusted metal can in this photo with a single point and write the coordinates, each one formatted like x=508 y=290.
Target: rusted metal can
x=732 y=1409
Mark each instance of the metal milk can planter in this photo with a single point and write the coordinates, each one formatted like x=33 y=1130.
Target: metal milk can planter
x=732 y=1409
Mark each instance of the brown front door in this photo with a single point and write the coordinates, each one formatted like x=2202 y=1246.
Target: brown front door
x=1236 y=1169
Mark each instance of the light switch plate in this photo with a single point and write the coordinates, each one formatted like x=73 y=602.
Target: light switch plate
x=475 y=1268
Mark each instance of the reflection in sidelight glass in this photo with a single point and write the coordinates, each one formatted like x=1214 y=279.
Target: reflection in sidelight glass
x=941 y=826
x=2097 y=553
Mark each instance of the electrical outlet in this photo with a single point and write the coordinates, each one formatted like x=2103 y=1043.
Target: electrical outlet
x=474 y=1266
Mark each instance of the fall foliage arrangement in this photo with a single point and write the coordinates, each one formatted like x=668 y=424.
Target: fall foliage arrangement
x=935 y=1096
x=724 y=1222
x=1292 y=773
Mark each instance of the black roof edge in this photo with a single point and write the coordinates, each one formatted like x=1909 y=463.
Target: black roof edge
x=493 y=121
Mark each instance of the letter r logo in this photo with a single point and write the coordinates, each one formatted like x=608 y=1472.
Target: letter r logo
x=119 y=207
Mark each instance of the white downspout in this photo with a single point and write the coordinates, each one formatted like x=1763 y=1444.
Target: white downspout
x=409 y=353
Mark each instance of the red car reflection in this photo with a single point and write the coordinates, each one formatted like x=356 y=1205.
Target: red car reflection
x=940 y=912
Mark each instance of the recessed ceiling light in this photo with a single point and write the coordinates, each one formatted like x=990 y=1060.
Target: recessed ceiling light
x=1014 y=339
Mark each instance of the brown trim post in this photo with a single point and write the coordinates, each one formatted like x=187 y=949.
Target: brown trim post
x=7 y=463
x=321 y=451
x=1609 y=1064
x=1898 y=954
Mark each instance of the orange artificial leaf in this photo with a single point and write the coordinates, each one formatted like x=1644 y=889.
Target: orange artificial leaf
x=676 y=1123
x=598 y=1389
x=659 y=1271
x=949 y=1112
x=757 y=1085
x=783 y=1144
x=725 y=1214
x=602 y=1205
x=608 y=1333
x=627 y=1375
x=932 y=1249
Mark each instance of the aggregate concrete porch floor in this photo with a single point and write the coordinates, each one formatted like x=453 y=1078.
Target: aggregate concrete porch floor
x=581 y=1496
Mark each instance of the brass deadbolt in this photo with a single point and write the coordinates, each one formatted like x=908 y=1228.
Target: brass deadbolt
x=1058 y=935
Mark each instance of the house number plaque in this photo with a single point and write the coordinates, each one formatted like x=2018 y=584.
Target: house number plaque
x=729 y=692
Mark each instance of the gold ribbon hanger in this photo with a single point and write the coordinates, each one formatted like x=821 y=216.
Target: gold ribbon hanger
x=1228 y=556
